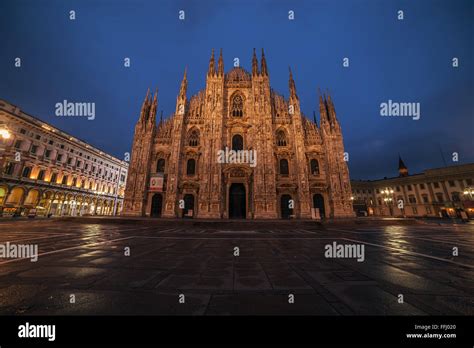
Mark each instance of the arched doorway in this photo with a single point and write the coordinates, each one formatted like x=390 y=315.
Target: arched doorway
x=237 y=201
x=286 y=206
x=156 y=205
x=188 y=210
x=318 y=202
x=15 y=197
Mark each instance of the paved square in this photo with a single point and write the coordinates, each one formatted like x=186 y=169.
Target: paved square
x=276 y=259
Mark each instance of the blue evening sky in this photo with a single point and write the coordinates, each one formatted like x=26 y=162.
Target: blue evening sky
x=405 y=61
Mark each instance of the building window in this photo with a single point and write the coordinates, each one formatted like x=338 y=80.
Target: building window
x=451 y=183
x=74 y=181
x=90 y=185
x=26 y=172
x=237 y=106
x=411 y=199
x=455 y=196
x=439 y=197
x=436 y=184
x=422 y=186
x=314 y=165
x=415 y=211
x=59 y=157
x=160 y=166
x=379 y=201
x=23 y=131
x=398 y=188
x=409 y=187
x=469 y=182
x=18 y=144
x=284 y=169
x=54 y=178
x=377 y=191
x=237 y=142
x=425 y=198
x=191 y=166
x=64 y=181
x=41 y=174
x=83 y=183
x=9 y=168
x=281 y=138
x=428 y=210
x=47 y=153
x=193 y=139
x=34 y=149
x=69 y=160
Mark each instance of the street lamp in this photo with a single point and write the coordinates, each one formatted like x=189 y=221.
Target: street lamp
x=387 y=198
x=469 y=191
x=4 y=132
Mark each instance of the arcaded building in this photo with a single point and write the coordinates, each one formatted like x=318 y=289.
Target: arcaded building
x=48 y=172
x=238 y=149
x=437 y=192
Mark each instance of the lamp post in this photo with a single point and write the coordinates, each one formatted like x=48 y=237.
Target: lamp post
x=388 y=198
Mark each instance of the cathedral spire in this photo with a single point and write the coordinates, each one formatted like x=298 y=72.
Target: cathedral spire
x=292 y=86
x=332 y=113
x=212 y=65
x=154 y=105
x=323 y=114
x=145 y=107
x=264 y=65
x=147 y=96
x=184 y=84
x=331 y=110
x=254 y=63
x=220 y=65
x=314 y=118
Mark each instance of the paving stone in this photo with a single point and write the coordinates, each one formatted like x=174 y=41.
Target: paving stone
x=275 y=260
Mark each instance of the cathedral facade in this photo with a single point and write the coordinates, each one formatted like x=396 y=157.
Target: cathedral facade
x=296 y=168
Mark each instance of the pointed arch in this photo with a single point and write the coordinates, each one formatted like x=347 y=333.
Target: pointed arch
x=284 y=167
x=237 y=142
x=237 y=105
x=191 y=166
x=160 y=165
x=314 y=166
x=281 y=138
x=193 y=137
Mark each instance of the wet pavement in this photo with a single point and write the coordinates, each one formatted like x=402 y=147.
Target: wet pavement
x=216 y=268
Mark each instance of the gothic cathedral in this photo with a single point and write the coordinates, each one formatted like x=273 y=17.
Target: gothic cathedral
x=298 y=171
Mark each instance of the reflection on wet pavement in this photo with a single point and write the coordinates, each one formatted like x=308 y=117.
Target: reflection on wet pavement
x=167 y=259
